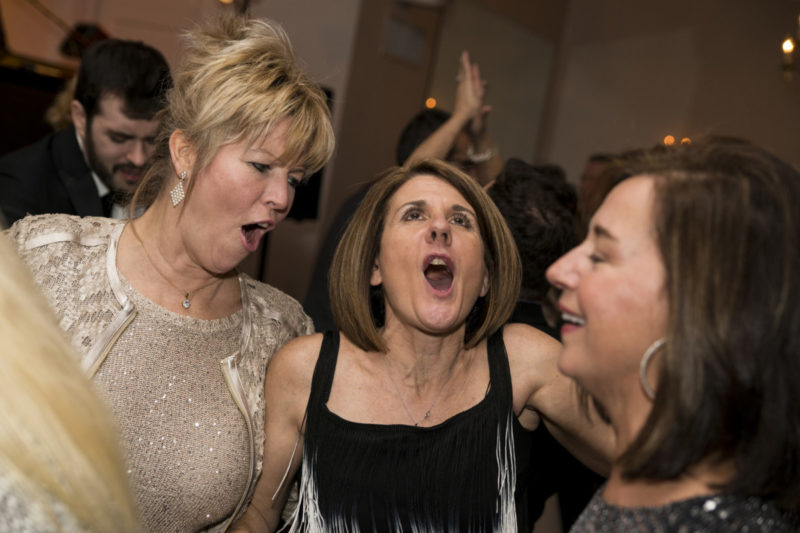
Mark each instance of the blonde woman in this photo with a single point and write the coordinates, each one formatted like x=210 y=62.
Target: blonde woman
x=174 y=336
x=60 y=468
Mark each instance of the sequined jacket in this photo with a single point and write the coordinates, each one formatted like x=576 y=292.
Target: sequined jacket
x=73 y=260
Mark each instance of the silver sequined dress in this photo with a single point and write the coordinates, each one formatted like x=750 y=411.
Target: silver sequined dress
x=187 y=393
x=706 y=514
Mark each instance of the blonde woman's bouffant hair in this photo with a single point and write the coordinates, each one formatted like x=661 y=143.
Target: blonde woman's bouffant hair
x=358 y=309
x=58 y=445
x=237 y=81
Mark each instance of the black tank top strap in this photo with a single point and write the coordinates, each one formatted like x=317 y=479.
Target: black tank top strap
x=324 y=370
x=499 y=372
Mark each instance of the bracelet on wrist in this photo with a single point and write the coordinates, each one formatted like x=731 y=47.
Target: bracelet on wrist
x=480 y=157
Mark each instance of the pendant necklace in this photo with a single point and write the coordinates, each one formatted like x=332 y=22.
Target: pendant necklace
x=187 y=300
x=403 y=402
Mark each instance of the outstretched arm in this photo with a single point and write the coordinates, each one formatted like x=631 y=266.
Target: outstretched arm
x=286 y=391
x=541 y=387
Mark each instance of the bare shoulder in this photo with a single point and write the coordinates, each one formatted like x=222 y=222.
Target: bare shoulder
x=528 y=345
x=293 y=364
x=532 y=357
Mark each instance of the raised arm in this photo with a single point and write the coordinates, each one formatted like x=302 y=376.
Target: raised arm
x=286 y=391
x=541 y=387
x=469 y=116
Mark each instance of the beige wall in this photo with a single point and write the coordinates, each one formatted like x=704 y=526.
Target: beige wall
x=630 y=72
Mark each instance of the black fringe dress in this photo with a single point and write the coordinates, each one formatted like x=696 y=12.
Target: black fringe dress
x=462 y=475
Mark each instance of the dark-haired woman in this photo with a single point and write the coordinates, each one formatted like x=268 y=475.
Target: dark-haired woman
x=681 y=320
x=416 y=416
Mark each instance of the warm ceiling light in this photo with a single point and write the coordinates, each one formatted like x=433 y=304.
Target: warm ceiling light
x=686 y=140
x=669 y=140
x=225 y=1
x=788 y=45
x=430 y=103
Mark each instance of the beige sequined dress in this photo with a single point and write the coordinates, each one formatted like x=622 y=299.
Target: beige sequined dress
x=188 y=393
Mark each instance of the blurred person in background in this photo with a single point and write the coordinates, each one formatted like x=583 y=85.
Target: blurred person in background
x=91 y=167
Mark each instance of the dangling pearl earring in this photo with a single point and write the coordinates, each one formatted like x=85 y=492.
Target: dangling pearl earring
x=177 y=193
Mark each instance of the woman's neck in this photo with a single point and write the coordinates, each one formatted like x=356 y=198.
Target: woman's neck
x=421 y=356
x=153 y=258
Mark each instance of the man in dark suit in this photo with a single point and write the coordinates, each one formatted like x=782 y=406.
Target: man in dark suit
x=91 y=167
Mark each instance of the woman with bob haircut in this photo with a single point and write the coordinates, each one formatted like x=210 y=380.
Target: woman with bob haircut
x=174 y=337
x=417 y=416
x=61 y=468
x=681 y=320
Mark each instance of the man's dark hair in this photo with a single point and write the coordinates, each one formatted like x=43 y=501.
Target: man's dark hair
x=420 y=127
x=540 y=208
x=131 y=70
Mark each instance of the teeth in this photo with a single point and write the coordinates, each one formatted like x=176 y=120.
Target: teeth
x=438 y=261
x=574 y=319
x=263 y=225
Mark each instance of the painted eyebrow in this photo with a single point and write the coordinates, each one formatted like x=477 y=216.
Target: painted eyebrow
x=455 y=207
x=601 y=232
x=462 y=209
x=276 y=159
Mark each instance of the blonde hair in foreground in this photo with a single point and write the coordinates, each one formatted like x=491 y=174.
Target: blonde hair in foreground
x=57 y=442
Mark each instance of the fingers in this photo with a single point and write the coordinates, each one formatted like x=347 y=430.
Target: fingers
x=463 y=66
x=475 y=72
x=470 y=90
x=464 y=61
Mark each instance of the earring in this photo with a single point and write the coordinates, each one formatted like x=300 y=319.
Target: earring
x=648 y=355
x=177 y=193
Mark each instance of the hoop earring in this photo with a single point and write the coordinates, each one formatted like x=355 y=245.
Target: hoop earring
x=177 y=194
x=648 y=355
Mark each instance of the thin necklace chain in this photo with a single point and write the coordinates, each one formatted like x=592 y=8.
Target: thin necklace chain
x=402 y=400
x=187 y=300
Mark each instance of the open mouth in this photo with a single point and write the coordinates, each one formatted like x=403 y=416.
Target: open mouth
x=252 y=234
x=569 y=318
x=439 y=273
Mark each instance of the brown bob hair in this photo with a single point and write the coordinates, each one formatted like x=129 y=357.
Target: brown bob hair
x=727 y=222
x=358 y=309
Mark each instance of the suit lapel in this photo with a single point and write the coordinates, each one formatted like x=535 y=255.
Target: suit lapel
x=74 y=173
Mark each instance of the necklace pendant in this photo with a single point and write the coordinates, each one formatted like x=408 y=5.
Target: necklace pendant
x=427 y=414
x=186 y=303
